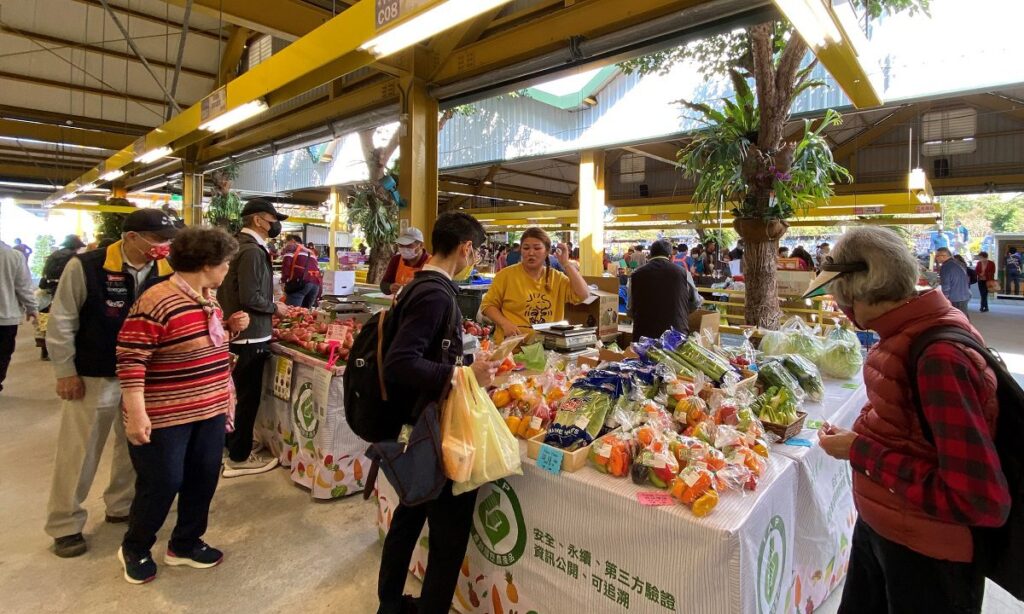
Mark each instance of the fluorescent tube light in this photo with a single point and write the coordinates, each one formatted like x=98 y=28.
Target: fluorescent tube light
x=235 y=116
x=112 y=175
x=917 y=181
x=428 y=23
x=87 y=187
x=153 y=155
x=812 y=20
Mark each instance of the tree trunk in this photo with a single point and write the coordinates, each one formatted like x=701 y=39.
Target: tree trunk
x=762 y=294
x=378 y=263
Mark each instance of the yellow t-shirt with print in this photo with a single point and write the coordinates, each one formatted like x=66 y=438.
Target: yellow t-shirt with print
x=526 y=301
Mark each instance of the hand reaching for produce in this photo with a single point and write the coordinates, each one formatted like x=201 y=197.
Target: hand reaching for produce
x=835 y=441
x=484 y=371
x=238 y=322
x=282 y=309
x=509 y=328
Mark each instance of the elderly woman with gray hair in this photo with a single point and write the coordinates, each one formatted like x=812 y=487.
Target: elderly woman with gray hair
x=919 y=485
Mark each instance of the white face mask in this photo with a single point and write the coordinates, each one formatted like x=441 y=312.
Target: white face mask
x=408 y=253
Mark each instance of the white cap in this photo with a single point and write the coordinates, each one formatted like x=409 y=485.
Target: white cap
x=409 y=236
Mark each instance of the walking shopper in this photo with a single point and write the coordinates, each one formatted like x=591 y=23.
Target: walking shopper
x=917 y=499
x=411 y=257
x=986 y=270
x=249 y=287
x=175 y=372
x=953 y=278
x=414 y=378
x=23 y=249
x=661 y=295
x=53 y=268
x=1013 y=266
x=17 y=301
x=93 y=298
x=300 y=274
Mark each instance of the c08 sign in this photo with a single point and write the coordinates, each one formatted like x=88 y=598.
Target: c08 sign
x=388 y=11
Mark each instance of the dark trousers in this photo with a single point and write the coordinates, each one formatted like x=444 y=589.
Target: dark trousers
x=886 y=577
x=182 y=461
x=1011 y=285
x=248 y=378
x=983 y=291
x=304 y=297
x=450 y=519
x=8 y=335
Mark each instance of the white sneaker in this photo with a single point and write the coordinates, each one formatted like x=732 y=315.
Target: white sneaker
x=250 y=466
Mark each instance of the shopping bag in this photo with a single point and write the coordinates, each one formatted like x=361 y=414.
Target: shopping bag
x=496 y=453
x=992 y=285
x=457 y=447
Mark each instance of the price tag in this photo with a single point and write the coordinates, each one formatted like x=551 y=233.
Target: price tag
x=798 y=441
x=536 y=422
x=582 y=422
x=335 y=332
x=655 y=499
x=550 y=459
x=814 y=424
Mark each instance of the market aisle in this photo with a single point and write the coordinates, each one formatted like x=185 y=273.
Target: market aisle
x=282 y=550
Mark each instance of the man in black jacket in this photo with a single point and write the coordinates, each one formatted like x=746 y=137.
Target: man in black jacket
x=661 y=295
x=412 y=375
x=249 y=287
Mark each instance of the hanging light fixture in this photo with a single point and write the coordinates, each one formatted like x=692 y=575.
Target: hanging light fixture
x=418 y=28
x=812 y=19
x=153 y=155
x=235 y=116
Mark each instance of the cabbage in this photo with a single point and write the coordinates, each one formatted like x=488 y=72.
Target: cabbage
x=841 y=359
x=807 y=345
x=840 y=333
x=774 y=342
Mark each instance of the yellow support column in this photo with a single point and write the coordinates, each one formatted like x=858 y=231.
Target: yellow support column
x=418 y=158
x=591 y=213
x=335 y=203
x=192 y=196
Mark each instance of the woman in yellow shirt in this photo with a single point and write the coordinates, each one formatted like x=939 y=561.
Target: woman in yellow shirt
x=531 y=292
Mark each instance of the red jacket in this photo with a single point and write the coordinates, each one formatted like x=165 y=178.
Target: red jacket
x=986 y=270
x=890 y=420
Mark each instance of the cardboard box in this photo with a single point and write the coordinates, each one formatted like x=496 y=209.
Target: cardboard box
x=793 y=282
x=339 y=283
x=703 y=319
x=600 y=309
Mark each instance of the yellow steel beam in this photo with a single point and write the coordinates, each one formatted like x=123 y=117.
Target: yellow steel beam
x=286 y=19
x=232 y=54
x=92 y=207
x=417 y=182
x=442 y=45
x=868 y=136
x=590 y=218
x=980 y=182
x=49 y=133
x=586 y=18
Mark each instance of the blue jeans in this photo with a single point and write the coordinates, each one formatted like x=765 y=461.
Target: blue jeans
x=304 y=297
x=182 y=461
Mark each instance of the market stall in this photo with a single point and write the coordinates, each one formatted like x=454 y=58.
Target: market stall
x=302 y=422
x=778 y=543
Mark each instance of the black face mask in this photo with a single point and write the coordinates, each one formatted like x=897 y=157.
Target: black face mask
x=275 y=230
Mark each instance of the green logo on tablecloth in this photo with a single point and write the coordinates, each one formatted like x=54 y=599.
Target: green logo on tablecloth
x=771 y=560
x=499 y=531
x=304 y=412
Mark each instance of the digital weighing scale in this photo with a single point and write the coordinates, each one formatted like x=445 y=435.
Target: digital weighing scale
x=566 y=338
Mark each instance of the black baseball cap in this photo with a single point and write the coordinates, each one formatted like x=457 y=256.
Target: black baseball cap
x=152 y=221
x=262 y=205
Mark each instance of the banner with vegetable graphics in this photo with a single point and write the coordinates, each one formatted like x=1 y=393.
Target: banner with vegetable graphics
x=546 y=544
x=311 y=437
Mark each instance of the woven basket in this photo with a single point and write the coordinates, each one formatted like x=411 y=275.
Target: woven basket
x=787 y=432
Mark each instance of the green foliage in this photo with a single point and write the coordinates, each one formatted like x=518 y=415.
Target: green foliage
x=225 y=211
x=377 y=215
x=719 y=159
x=109 y=225
x=716 y=55
x=40 y=252
x=985 y=214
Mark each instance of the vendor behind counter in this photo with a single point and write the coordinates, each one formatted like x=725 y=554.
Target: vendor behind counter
x=532 y=292
x=411 y=257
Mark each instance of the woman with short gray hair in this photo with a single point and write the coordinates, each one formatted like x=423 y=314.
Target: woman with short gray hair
x=917 y=496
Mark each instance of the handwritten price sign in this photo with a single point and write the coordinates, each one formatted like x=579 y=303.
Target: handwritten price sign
x=550 y=459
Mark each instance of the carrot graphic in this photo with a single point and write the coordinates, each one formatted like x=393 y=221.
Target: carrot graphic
x=496 y=600
x=357 y=470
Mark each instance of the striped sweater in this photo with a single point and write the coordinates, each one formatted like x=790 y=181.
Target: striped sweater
x=165 y=348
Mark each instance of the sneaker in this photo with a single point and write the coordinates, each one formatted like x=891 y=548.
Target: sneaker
x=250 y=466
x=201 y=557
x=137 y=571
x=69 y=546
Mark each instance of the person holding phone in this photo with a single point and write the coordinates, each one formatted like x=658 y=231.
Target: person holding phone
x=533 y=292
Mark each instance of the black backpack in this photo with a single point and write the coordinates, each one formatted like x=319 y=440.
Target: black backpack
x=998 y=552
x=367 y=409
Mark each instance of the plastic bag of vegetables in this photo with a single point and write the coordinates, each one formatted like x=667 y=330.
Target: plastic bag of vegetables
x=841 y=333
x=774 y=342
x=841 y=359
x=807 y=374
x=613 y=454
x=773 y=374
x=581 y=414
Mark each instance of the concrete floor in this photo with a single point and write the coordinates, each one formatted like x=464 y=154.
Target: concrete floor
x=283 y=552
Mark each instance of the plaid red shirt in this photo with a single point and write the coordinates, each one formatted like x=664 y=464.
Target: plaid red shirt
x=964 y=483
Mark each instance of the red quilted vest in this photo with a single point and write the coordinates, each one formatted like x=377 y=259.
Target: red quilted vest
x=890 y=418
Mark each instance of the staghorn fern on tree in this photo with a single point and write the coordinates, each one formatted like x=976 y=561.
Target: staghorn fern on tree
x=225 y=206
x=377 y=215
x=110 y=225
